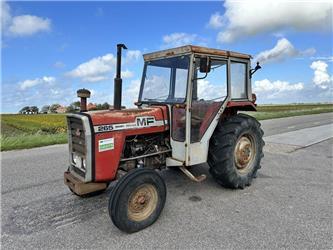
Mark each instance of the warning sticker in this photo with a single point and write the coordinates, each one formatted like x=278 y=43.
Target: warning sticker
x=105 y=144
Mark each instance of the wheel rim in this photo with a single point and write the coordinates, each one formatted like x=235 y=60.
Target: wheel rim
x=244 y=153
x=142 y=202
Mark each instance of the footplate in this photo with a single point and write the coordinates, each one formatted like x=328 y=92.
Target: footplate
x=79 y=187
x=199 y=178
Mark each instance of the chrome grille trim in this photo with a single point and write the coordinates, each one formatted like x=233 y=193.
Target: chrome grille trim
x=80 y=144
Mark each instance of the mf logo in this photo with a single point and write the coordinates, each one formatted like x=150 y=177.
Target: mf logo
x=145 y=121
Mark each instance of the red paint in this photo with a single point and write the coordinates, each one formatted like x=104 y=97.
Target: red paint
x=210 y=114
x=242 y=105
x=107 y=162
x=127 y=115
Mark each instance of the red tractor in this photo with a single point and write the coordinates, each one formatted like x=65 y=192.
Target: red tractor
x=187 y=114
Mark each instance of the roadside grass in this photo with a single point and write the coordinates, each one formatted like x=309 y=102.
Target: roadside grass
x=265 y=112
x=26 y=141
x=29 y=131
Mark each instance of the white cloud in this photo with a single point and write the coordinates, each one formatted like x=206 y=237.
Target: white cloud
x=27 y=25
x=100 y=68
x=207 y=91
x=216 y=21
x=323 y=58
x=131 y=93
x=132 y=55
x=275 y=89
x=321 y=77
x=180 y=39
x=251 y=17
x=281 y=51
x=23 y=25
x=127 y=74
x=31 y=83
x=95 y=70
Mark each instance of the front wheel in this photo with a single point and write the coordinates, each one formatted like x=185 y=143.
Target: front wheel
x=137 y=200
x=235 y=151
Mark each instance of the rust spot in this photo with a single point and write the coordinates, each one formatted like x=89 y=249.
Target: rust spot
x=194 y=49
x=170 y=53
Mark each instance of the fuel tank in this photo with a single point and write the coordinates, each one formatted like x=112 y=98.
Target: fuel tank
x=110 y=129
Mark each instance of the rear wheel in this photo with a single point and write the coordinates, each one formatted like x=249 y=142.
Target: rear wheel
x=137 y=200
x=235 y=151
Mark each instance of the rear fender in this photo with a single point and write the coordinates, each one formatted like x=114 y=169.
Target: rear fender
x=242 y=106
x=234 y=106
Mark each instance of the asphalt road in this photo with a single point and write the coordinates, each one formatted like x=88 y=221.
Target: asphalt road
x=289 y=205
x=281 y=125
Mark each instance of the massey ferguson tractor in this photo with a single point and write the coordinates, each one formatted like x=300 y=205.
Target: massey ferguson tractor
x=188 y=113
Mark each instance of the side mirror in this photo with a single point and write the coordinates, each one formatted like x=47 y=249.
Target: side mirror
x=205 y=64
x=257 y=67
x=252 y=71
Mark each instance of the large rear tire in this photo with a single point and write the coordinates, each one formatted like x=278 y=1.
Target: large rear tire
x=235 y=151
x=137 y=200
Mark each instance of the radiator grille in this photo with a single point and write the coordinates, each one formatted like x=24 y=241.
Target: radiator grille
x=77 y=136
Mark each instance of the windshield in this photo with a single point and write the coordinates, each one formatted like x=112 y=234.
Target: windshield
x=165 y=80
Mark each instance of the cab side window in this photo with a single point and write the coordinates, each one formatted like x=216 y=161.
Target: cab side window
x=238 y=75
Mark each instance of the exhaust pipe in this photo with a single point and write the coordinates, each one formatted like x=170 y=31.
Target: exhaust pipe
x=118 y=81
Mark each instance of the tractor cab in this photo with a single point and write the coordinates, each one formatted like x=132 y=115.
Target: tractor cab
x=197 y=84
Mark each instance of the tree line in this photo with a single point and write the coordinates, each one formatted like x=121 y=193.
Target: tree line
x=54 y=108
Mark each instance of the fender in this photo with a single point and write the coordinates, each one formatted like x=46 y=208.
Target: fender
x=242 y=105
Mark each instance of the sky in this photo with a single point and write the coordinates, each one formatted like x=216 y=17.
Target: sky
x=51 y=49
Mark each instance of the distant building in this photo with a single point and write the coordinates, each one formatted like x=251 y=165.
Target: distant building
x=61 y=110
x=91 y=106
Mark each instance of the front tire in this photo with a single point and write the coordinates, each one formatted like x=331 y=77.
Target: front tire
x=235 y=151
x=137 y=200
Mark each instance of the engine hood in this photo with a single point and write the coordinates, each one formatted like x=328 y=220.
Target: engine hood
x=113 y=120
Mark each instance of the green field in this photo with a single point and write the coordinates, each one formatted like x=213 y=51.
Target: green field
x=28 y=131
x=265 y=112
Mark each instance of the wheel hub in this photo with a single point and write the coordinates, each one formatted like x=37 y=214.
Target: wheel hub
x=244 y=153
x=142 y=202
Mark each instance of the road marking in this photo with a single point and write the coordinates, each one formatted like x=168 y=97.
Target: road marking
x=290 y=127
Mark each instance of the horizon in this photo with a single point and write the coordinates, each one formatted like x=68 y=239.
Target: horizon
x=47 y=54
x=261 y=105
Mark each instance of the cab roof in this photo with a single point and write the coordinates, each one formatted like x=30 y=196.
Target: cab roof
x=193 y=49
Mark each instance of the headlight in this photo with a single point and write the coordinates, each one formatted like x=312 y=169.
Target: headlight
x=79 y=162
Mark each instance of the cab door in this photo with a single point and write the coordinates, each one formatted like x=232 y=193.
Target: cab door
x=209 y=99
x=179 y=115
